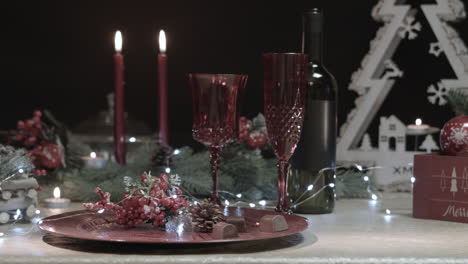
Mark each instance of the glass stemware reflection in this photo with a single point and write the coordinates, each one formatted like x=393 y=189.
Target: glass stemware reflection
x=284 y=99
x=215 y=115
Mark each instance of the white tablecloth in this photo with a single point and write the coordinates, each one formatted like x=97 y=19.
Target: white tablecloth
x=358 y=232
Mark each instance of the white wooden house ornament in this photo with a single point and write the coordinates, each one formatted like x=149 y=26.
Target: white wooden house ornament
x=376 y=77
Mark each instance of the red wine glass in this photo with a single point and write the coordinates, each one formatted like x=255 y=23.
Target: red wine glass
x=215 y=114
x=284 y=97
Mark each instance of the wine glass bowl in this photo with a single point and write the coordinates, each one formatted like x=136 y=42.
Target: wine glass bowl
x=215 y=114
x=284 y=99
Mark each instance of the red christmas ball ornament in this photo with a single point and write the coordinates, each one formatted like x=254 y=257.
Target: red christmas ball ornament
x=256 y=139
x=49 y=156
x=454 y=136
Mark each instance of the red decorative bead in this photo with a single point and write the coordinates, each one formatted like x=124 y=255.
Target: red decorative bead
x=20 y=125
x=163 y=186
x=37 y=113
x=29 y=123
x=164 y=177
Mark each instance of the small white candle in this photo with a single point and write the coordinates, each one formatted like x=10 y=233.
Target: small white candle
x=57 y=202
x=93 y=161
x=418 y=125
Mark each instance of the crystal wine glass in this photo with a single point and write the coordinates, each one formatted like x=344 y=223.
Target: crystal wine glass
x=284 y=98
x=215 y=114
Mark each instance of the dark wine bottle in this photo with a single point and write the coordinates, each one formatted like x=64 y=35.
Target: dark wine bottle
x=313 y=163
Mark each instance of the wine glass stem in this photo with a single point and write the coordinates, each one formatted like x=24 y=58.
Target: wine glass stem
x=283 y=203
x=215 y=164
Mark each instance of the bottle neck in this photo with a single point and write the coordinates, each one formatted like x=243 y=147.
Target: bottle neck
x=313 y=45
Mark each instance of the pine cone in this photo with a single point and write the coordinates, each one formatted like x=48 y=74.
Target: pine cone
x=162 y=156
x=205 y=215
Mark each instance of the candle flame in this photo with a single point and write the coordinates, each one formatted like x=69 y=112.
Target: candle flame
x=92 y=155
x=418 y=122
x=118 y=41
x=56 y=192
x=162 y=41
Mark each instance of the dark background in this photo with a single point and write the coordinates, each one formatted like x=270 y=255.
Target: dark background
x=58 y=55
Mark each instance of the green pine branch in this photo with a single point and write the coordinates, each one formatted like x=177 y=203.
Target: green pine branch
x=458 y=100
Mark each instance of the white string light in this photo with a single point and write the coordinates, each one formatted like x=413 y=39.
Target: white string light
x=374 y=197
x=17 y=214
x=366 y=178
x=359 y=167
x=168 y=170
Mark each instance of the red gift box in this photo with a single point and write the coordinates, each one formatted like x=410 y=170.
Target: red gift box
x=440 y=189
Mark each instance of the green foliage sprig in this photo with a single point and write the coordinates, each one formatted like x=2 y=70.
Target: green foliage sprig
x=458 y=100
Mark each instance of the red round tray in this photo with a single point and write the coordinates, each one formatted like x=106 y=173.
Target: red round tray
x=93 y=226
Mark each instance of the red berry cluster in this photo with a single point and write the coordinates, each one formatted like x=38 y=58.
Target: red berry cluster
x=34 y=135
x=152 y=201
x=253 y=138
x=29 y=131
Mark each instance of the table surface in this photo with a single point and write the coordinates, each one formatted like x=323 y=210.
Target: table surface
x=358 y=232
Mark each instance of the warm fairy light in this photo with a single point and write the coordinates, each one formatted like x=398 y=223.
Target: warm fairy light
x=38 y=211
x=20 y=170
x=118 y=41
x=413 y=179
x=168 y=170
x=387 y=211
x=366 y=178
x=262 y=203
x=331 y=185
x=100 y=211
x=310 y=187
x=132 y=139
x=251 y=204
x=374 y=197
x=359 y=167
x=418 y=122
x=162 y=41
x=56 y=192
x=176 y=151
x=93 y=155
x=239 y=195
x=226 y=202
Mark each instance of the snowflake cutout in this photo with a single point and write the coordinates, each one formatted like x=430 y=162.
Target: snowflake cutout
x=409 y=28
x=437 y=94
x=435 y=49
x=458 y=135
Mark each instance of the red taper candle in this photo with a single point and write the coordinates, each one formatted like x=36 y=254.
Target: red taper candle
x=162 y=89
x=119 y=103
